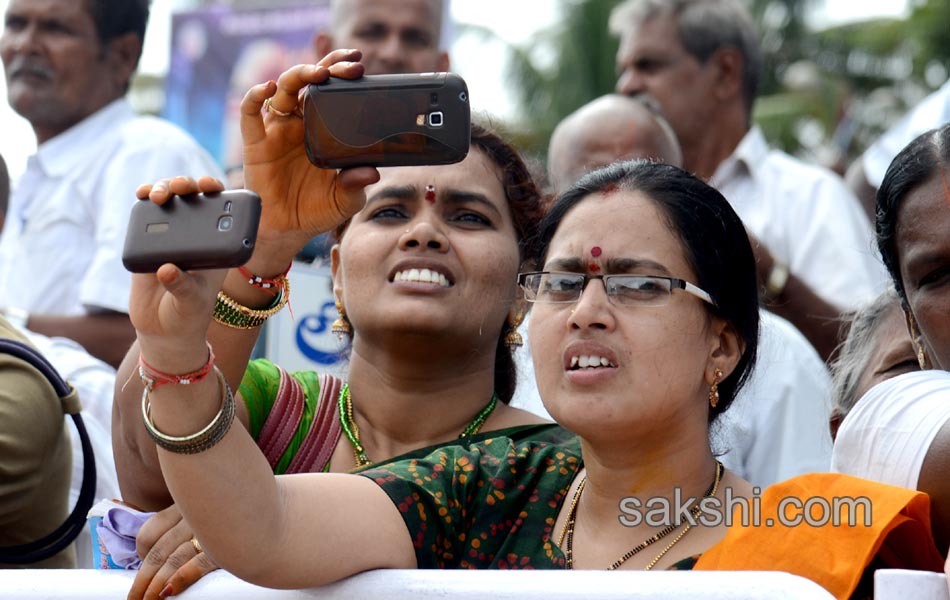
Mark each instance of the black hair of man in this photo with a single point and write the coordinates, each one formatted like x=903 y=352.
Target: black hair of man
x=118 y=17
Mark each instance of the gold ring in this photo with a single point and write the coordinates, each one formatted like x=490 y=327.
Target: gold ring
x=194 y=542
x=269 y=107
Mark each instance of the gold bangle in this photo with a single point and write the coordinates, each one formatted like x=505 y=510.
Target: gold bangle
x=230 y=313
x=207 y=437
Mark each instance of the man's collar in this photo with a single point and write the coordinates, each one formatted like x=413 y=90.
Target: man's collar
x=750 y=152
x=66 y=151
x=753 y=148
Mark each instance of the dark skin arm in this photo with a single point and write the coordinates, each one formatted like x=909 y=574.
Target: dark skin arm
x=933 y=480
x=107 y=336
x=817 y=319
x=857 y=181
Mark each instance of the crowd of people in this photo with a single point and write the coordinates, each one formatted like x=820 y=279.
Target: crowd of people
x=673 y=311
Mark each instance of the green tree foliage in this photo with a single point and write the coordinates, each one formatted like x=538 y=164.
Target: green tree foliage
x=821 y=90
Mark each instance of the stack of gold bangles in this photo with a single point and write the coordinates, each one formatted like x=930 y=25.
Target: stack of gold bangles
x=230 y=313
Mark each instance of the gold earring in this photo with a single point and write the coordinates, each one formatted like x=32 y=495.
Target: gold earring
x=341 y=327
x=513 y=339
x=921 y=353
x=918 y=341
x=714 y=389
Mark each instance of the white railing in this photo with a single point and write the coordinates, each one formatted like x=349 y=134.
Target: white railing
x=80 y=584
x=899 y=584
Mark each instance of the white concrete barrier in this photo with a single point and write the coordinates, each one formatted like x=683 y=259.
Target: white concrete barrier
x=900 y=584
x=79 y=584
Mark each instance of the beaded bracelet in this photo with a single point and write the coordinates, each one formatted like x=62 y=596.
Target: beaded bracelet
x=271 y=286
x=204 y=439
x=153 y=378
x=230 y=313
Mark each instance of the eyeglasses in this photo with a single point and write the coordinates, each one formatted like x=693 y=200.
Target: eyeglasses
x=622 y=290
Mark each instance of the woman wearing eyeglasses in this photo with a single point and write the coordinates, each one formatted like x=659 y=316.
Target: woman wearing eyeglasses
x=645 y=326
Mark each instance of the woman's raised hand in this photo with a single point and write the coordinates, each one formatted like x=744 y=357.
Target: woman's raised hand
x=299 y=199
x=171 y=309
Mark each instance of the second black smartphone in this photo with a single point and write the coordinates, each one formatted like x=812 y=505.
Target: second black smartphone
x=197 y=231
x=387 y=120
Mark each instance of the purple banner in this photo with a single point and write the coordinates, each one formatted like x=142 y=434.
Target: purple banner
x=219 y=53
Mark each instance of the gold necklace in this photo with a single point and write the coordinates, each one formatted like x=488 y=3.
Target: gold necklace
x=568 y=530
x=352 y=430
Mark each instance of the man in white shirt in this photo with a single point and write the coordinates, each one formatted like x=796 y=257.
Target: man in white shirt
x=700 y=59
x=68 y=66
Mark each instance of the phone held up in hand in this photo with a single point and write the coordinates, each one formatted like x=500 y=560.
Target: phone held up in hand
x=387 y=120
x=196 y=231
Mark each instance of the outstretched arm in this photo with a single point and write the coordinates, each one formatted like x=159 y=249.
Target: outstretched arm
x=299 y=201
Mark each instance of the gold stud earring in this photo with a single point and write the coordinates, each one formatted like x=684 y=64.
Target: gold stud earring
x=513 y=339
x=341 y=327
x=714 y=389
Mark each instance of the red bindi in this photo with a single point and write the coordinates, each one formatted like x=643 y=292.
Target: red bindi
x=595 y=251
x=430 y=193
x=593 y=268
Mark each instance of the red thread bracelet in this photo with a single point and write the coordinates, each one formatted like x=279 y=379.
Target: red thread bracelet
x=153 y=378
x=263 y=283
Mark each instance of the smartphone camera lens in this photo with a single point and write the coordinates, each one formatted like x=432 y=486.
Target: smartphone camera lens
x=463 y=96
x=435 y=119
x=433 y=99
x=225 y=223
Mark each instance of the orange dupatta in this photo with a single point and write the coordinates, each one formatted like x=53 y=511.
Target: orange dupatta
x=834 y=557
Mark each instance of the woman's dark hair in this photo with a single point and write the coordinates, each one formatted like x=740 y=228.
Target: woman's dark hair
x=524 y=201
x=912 y=167
x=716 y=245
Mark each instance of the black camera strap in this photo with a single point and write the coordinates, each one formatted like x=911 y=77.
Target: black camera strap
x=64 y=535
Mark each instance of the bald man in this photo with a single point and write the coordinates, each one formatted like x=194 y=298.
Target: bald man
x=606 y=130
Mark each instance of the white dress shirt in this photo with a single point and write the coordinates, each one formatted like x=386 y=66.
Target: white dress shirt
x=61 y=247
x=807 y=218
x=778 y=425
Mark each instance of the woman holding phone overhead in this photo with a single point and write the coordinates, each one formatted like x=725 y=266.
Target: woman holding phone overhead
x=425 y=279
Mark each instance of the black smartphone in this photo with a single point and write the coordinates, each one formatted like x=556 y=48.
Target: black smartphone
x=197 y=231
x=387 y=120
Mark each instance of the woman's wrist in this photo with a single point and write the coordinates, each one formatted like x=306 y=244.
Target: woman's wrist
x=175 y=356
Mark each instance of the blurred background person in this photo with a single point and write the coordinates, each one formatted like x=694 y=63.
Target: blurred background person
x=865 y=174
x=876 y=348
x=68 y=66
x=701 y=60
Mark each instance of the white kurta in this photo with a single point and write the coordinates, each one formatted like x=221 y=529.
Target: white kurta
x=61 y=247
x=807 y=218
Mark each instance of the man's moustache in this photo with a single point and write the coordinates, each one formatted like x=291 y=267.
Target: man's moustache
x=29 y=67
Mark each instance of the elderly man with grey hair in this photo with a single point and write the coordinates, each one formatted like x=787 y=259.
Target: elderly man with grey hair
x=701 y=60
